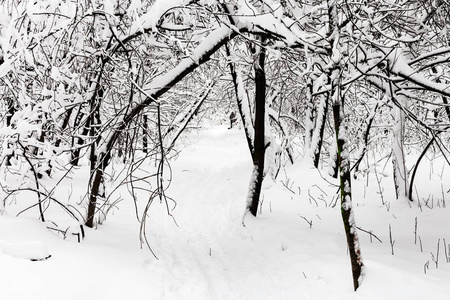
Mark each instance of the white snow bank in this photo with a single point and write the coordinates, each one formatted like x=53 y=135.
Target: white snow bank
x=31 y=250
x=295 y=249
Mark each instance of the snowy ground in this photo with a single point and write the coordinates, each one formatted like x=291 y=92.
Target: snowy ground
x=295 y=249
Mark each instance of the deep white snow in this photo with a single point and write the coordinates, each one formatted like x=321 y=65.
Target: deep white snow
x=295 y=249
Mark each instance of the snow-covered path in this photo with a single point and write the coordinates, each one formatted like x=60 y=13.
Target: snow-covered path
x=295 y=249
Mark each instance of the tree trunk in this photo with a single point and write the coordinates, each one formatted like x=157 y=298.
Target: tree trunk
x=343 y=159
x=95 y=189
x=168 y=80
x=317 y=140
x=258 y=154
x=145 y=133
x=242 y=102
x=398 y=157
x=64 y=124
x=97 y=160
x=78 y=141
x=310 y=114
x=11 y=111
x=369 y=122
x=346 y=191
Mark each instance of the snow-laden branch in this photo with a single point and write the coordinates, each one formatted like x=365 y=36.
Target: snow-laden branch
x=400 y=67
x=149 y=20
x=429 y=54
x=161 y=84
x=182 y=122
x=246 y=17
x=243 y=102
x=200 y=55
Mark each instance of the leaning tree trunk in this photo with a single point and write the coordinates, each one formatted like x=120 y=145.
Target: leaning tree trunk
x=165 y=82
x=259 y=148
x=242 y=101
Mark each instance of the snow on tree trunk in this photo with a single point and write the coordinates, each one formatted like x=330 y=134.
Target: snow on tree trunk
x=254 y=130
x=310 y=116
x=343 y=159
x=259 y=148
x=93 y=197
x=346 y=190
x=317 y=138
x=242 y=100
x=398 y=157
x=273 y=147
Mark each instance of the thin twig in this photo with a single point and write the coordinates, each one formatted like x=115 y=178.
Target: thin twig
x=370 y=233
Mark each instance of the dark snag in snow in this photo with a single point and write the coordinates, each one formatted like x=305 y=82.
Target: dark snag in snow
x=40 y=258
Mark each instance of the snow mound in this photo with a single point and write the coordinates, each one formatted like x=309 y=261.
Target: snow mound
x=24 y=238
x=32 y=250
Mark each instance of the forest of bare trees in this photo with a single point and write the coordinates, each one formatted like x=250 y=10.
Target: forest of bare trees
x=120 y=80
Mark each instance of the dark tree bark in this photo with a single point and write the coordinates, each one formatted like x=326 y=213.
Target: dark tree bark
x=343 y=163
x=320 y=127
x=77 y=142
x=11 y=111
x=346 y=199
x=310 y=115
x=259 y=149
x=94 y=123
x=95 y=192
x=64 y=124
x=144 y=133
x=413 y=176
x=369 y=122
x=97 y=166
x=343 y=159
